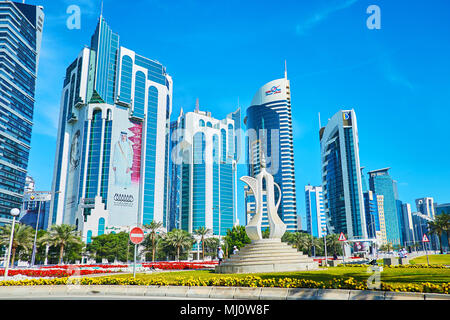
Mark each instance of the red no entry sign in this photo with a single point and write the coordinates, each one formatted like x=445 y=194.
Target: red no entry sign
x=136 y=235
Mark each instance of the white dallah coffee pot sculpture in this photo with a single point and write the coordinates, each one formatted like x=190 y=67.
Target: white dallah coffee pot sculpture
x=277 y=227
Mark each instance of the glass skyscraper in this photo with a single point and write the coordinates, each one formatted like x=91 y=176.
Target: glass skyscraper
x=341 y=176
x=316 y=223
x=372 y=215
x=269 y=131
x=426 y=206
x=20 y=41
x=203 y=172
x=381 y=183
x=112 y=149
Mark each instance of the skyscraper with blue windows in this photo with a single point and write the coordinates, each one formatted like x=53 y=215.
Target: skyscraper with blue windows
x=112 y=151
x=203 y=172
x=341 y=176
x=20 y=42
x=381 y=183
x=269 y=131
x=316 y=223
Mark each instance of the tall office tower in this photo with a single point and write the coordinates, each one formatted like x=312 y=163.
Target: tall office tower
x=316 y=223
x=112 y=149
x=203 y=172
x=442 y=208
x=381 y=183
x=381 y=235
x=426 y=206
x=421 y=227
x=372 y=215
x=408 y=226
x=20 y=43
x=341 y=176
x=269 y=131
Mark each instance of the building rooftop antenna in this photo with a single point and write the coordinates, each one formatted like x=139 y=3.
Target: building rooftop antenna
x=320 y=124
x=285 y=69
x=197 y=105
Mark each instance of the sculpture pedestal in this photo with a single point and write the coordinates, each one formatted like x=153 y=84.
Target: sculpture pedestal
x=267 y=255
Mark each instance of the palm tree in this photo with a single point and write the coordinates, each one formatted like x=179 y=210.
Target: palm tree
x=179 y=239
x=446 y=221
x=333 y=244
x=62 y=235
x=22 y=238
x=301 y=241
x=211 y=245
x=153 y=227
x=202 y=232
x=438 y=226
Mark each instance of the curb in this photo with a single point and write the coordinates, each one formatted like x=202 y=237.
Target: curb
x=199 y=292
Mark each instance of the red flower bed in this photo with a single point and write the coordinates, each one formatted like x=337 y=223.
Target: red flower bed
x=69 y=266
x=180 y=265
x=58 y=273
x=88 y=269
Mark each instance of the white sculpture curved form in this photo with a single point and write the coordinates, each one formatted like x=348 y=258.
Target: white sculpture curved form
x=258 y=187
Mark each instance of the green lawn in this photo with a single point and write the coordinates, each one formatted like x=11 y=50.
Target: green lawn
x=433 y=258
x=389 y=275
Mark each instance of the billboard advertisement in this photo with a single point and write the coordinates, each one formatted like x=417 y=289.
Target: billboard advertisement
x=73 y=173
x=361 y=246
x=125 y=169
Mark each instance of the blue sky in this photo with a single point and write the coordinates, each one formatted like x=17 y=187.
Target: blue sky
x=396 y=78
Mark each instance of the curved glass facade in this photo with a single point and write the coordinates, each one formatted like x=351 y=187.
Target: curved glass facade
x=269 y=128
x=139 y=95
x=150 y=152
x=126 y=79
x=341 y=176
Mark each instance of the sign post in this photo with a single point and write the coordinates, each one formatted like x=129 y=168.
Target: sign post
x=325 y=240
x=136 y=237
x=343 y=239
x=425 y=240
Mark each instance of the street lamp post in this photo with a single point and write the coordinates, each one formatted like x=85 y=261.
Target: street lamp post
x=14 y=212
x=325 y=240
x=33 y=255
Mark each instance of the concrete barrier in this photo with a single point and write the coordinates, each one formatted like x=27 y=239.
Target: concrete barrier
x=20 y=292
x=273 y=293
x=302 y=294
x=199 y=292
x=156 y=291
x=332 y=294
x=247 y=293
x=366 y=295
x=222 y=292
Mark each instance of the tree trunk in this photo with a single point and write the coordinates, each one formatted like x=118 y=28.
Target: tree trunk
x=203 y=249
x=178 y=253
x=13 y=251
x=61 y=253
x=153 y=249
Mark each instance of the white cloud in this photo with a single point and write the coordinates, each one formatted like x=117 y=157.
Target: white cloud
x=318 y=17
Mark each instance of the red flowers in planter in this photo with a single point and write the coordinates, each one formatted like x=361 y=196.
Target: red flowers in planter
x=57 y=273
x=88 y=269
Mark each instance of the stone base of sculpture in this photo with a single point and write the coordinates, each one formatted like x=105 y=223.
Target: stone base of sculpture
x=267 y=255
